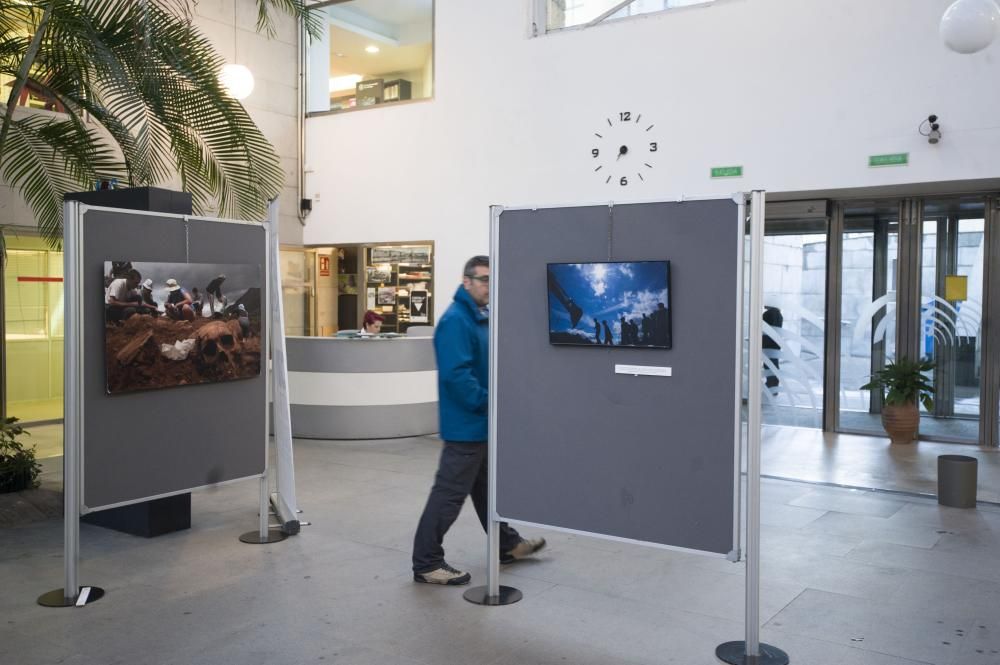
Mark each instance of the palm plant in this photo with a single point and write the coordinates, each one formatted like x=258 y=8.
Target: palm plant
x=139 y=97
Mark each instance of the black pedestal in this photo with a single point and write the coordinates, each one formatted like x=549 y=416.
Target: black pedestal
x=734 y=653
x=58 y=598
x=480 y=595
x=147 y=519
x=151 y=199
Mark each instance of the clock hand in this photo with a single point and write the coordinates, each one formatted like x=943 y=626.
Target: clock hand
x=621 y=151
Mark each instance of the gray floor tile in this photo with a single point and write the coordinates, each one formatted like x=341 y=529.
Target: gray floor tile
x=975 y=565
x=775 y=514
x=855 y=502
x=884 y=628
x=875 y=529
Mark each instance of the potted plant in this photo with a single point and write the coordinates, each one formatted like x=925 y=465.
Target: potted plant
x=18 y=468
x=902 y=383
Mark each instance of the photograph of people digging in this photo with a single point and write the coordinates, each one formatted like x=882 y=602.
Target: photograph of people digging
x=176 y=324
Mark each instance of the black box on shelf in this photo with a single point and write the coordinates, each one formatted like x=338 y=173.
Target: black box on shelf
x=396 y=90
x=369 y=93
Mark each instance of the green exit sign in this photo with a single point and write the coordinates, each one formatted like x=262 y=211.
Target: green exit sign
x=895 y=159
x=727 y=171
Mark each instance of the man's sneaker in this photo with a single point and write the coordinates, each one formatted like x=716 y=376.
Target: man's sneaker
x=443 y=575
x=522 y=550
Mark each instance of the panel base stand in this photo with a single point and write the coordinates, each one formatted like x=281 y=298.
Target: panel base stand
x=480 y=595
x=253 y=537
x=735 y=653
x=57 y=598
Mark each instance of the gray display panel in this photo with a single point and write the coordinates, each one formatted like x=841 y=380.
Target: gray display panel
x=580 y=447
x=148 y=444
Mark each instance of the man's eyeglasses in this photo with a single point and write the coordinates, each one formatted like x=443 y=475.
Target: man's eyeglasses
x=485 y=279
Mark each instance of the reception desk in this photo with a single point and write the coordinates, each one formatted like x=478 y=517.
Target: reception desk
x=370 y=388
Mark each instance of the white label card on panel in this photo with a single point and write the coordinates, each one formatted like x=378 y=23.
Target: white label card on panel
x=645 y=370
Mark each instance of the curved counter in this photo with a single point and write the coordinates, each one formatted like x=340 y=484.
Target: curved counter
x=369 y=388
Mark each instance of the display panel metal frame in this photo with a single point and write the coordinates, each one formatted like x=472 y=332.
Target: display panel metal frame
x=496 y=312
x=76 y=300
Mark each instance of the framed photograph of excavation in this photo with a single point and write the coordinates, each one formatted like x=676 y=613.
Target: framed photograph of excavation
x=610 y=303
x=180 y=324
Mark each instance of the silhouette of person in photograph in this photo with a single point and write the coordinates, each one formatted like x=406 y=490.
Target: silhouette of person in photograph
x=607 y=333
x=122 y=298
x=661 y=325
x=178 y=305
x=196 y=302
x=597 y=331
x=647 y=328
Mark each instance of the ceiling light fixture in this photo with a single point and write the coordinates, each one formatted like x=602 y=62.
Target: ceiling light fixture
x=346 y=82
x=371 y=48
x=236 y=79
x=968 y=26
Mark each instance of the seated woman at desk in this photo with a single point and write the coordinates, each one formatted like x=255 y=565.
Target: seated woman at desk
x=372 y=324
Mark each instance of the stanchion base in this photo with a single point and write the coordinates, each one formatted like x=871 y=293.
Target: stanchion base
x=57 y=598
x=735 y=653
x=253 y=537
x=480 y=595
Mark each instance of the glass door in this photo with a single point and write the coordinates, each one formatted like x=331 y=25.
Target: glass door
x=951 y=311
x=867 y=292
x=911 y=283
x=793 y=320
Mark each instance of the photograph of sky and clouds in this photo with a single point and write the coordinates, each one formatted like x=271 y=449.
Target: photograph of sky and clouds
x=610 y=304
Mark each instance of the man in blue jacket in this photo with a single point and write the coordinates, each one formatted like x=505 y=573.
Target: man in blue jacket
x=461 y=344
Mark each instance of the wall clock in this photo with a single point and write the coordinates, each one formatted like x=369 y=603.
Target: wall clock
x=624 y=149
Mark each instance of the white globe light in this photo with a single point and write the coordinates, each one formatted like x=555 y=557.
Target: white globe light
x=237 y=80
x=968 y=26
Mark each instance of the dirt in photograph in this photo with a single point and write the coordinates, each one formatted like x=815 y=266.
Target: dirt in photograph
x=146 y=352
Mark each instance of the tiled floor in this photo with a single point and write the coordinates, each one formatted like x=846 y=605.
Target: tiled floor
x=848 y=577
x=869 y=461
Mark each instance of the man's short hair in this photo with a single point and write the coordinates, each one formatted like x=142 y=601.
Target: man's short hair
x=479 y=261
x=135 y=274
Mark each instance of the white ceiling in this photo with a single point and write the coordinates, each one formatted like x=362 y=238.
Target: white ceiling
x=355 y=60
x=394 y=11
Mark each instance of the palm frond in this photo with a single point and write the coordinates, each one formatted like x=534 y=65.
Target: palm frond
x=312 y=20
x=143 y=77
x=45 y=159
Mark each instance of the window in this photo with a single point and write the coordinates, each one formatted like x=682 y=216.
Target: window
x=570 y=13
x=372 y=53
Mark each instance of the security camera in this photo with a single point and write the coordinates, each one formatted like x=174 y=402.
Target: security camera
x=933 y=129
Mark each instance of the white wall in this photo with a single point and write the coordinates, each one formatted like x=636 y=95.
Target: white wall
x=272 y=104
x=798 y=92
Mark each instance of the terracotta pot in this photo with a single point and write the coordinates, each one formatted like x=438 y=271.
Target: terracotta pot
x=901 y=422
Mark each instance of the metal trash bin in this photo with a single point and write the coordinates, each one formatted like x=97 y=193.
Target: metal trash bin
x=957 y=480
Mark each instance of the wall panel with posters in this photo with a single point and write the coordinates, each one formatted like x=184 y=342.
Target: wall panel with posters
x=209 y=422
x=610 y=433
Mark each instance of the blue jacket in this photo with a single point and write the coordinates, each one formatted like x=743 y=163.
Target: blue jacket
x=461 y=344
